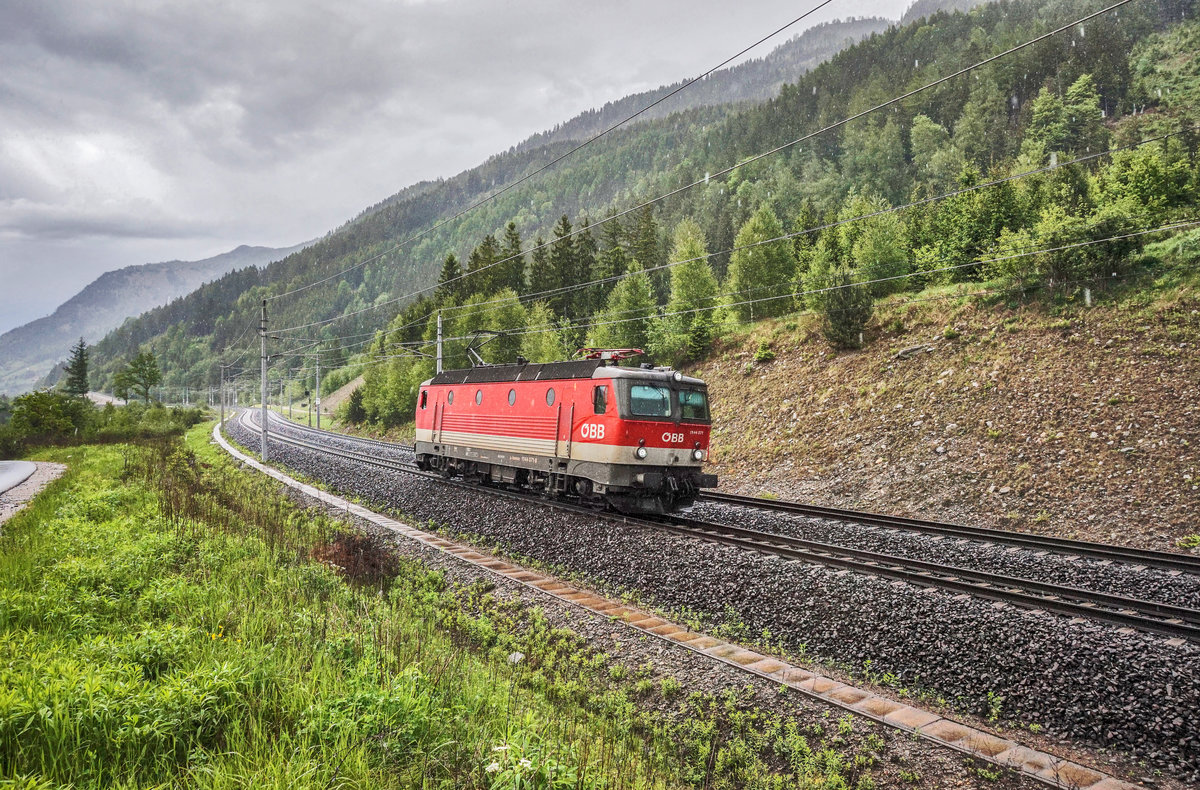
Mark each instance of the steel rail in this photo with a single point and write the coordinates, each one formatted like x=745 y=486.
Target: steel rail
x=1175 y=621
x=1113 y=553
x=278 y=418
x=1150 y=616
x=1106 y=551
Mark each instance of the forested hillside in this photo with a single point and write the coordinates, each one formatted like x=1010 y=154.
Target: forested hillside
x=1126 y=76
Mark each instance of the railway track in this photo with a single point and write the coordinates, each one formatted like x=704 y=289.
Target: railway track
x=1137 y=557
x=1125 y=554
x=1124 y=612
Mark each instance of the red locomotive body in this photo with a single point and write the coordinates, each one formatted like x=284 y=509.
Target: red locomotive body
x=635 y=438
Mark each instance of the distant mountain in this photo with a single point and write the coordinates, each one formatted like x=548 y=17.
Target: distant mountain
x=30 y=350
x=755 y=80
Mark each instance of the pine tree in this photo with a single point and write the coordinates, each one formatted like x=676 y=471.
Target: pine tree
x=543 y=341
x=355 y=413
x=612 y=262
x=481 y=268
x=76 y=379
x=644 y=246
x=1047 y=131
x=450 y=287
x=562 y=265
x=511 y=273
x=585 y=264
x=760 y=271
x=541 y=273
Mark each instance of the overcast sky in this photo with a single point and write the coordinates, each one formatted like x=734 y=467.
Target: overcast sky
x=134 y=131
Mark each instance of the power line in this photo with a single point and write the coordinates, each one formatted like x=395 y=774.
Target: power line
x=561 y=157
x=784 y=237
x=817 y=228
x=1177 y=225
x=732 y=168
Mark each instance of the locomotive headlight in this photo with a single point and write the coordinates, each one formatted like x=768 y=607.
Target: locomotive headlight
x=640 y=452
x=698 y=455
x=677 y=376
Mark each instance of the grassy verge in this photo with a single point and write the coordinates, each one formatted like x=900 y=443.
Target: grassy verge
x=166 y=620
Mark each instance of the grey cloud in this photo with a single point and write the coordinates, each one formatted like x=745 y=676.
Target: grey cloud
x=213 y=124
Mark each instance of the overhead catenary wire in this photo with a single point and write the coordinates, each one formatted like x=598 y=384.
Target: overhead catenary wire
x=757 y=157
x=561 y=157
x=806 y=231
x=777 y=239
x=1176 y=225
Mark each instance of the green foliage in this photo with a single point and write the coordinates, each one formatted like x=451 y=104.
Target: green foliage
x=1068 y=257
x=44 y=415
x=1128 y=76
x=75 y=382
x=1084 y=119
x=846 y=307
x=138 y=376
x=626 y=319
x=936 y=160
x=355 y=413
x=543 y=341
x=688 y=328
x=450 y=285
x=764 y=353
x=760 y=271
x=1047 y=132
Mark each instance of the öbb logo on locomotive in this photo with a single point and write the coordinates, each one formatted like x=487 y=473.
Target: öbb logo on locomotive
x=630 y=438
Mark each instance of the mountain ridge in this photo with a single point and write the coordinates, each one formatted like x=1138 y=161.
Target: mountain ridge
x=29 y=350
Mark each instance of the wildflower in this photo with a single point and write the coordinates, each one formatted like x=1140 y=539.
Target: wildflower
x=524 y=763
x=515 y=658
x=504 y=747
x=493 y=767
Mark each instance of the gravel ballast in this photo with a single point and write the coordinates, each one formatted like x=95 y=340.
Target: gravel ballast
x=1150 y=584
x=1131 y=691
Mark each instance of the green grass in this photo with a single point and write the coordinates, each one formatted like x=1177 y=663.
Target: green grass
x=169 y=620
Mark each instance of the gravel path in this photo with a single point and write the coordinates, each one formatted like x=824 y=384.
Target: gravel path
x=1130 y=691
x=17 y=497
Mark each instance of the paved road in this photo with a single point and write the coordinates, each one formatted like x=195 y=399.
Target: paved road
x=13 y=473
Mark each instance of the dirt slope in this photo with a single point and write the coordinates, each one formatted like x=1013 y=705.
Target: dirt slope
x=1054 y=418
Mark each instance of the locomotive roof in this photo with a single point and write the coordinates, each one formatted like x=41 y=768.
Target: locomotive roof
x=549 y=371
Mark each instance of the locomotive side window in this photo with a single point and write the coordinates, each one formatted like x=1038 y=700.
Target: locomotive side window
x=450 y=397
x=648 y=400
x=512 y=397
x=478 y=397
x=600 y=400
x=550 y=397
x=693 y=405
x=424 y=397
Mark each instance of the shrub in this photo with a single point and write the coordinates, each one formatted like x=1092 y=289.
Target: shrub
x=846 y=308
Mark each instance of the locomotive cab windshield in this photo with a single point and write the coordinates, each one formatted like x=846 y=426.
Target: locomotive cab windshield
x=646 y=400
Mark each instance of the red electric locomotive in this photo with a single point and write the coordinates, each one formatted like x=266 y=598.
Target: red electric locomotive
x=634 y=438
